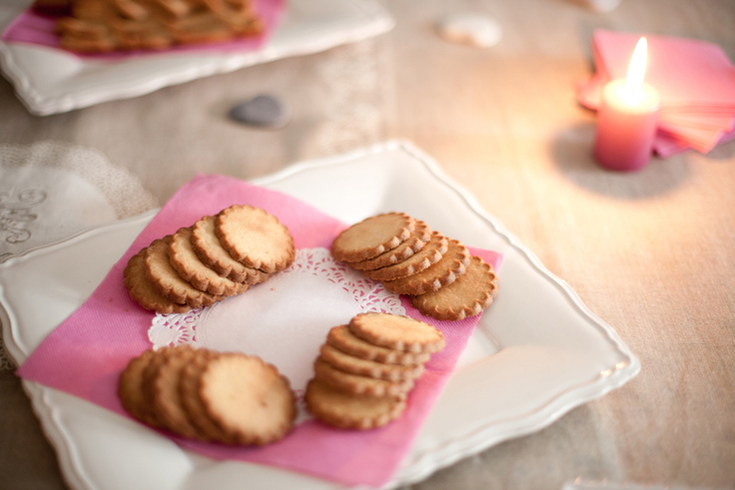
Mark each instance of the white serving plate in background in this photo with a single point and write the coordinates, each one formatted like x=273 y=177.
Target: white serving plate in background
x=50 y=81
x=537 y=352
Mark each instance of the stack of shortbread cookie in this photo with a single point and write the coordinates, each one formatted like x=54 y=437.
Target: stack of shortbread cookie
x=367 y=368
x=229 y=398
x=215 y=258
x=97 y=26
x=442 y=278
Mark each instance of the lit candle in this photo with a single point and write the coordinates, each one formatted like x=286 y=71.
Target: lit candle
x=627 y=118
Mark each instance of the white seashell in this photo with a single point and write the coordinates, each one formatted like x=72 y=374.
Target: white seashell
x=470 y=28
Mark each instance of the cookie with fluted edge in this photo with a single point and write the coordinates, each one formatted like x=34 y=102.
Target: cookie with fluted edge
x=430 y=254
x=344 y=340
x=247 y=398
x=372 y=237
x=189 y=391
x=349 y=411
x=142 y=291
x=415 y=242
x=359 y=385
x=166 y=279
x=452 y=265
x=167 y=403
x=471 y=293
x=255 y=238
x=210 y=251
x=184 y=259
x=363 y=367
x=130 y=392
x=397 y=332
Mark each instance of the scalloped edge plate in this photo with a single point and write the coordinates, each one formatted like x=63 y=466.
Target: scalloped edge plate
x=537 y=352
x=49 y=81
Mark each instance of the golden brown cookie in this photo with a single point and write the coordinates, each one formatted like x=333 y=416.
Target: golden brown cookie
x=195 y=272
x=167 y=403
x=359 y=385
x=148 y=375
x=344 y=340
x=420 y=237
x=208 y=248
x=397 y=332
x=346 y=410
x=130 y=391
x=189 y=391
x=167 y=281
x=372 y=237
x=363 y=367
x=430 y=254
x=445 y=271
x=248 y=398
x=142 y=291
x=123 y=25
x=471 y=293
x=255 y=238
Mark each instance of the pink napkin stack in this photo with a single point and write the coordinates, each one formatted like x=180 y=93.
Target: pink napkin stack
x=695 y=80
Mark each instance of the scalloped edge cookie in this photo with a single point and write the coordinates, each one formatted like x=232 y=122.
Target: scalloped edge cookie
x=255 y=238
x=349 y=411
x=372 y=236
x=469 y=295
x=419 y=237
x=397 y=332
x=452 y=265
x=207 y=246
x=143 y=292
x=248 y=398
x=187 y=263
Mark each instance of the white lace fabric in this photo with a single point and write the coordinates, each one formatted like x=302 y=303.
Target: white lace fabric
x=284 y=320
x=51 y=190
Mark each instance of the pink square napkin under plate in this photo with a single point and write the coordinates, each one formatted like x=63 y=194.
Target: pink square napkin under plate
x=85 y=355
x=33 y=28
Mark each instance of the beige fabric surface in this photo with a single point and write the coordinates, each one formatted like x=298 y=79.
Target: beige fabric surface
x=652 y=253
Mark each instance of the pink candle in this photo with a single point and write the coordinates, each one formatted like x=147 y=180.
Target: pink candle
x=627 y=118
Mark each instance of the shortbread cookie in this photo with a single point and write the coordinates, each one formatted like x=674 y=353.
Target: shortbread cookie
x=420 y=237
x=149 y=374
x=359 y=385
x=471 y=293
x=397 y=332
x=430 y=254
x=363 y=367
x=167 y=281
x=348 y=411
x=123 y=25
x=167 y=403
x=189 y=391
x=372 y=237
x=346 y=341
x=248 y=398
x=142 y=291
x=255 y=238
x=445 y=271
x=130 y=391
x=210 y=251
x=195 y=272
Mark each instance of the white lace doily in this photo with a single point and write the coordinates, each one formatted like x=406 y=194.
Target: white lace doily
x=51 y=190
x=284 y=320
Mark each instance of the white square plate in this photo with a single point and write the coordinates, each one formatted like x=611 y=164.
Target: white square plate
x=537 y=352
x=49 y=81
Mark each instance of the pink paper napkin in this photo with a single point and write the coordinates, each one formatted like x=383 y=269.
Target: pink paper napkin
x=85 y=355
x=33 y=28
x=695 y=80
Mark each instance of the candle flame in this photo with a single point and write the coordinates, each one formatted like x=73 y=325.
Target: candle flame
x=636 y=71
